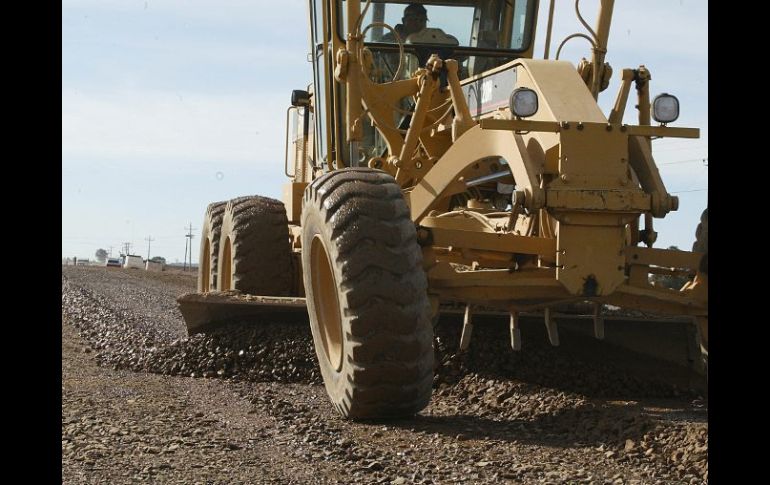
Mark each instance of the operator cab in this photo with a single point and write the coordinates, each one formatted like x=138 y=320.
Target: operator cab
x=480 y=34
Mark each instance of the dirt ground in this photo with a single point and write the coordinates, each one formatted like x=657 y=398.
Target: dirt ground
x=142 y=402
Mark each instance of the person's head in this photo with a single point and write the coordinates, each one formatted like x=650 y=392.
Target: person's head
x=415 y=18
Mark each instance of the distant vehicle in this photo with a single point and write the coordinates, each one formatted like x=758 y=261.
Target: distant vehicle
x=133 y=261
x=114 y=262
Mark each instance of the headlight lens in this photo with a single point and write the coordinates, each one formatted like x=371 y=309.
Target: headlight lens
x=665 y=108
x=523 y=102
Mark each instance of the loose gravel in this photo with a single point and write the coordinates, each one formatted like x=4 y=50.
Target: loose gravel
x=542 y=415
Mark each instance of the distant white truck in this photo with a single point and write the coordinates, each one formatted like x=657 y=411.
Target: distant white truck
x=133 y=261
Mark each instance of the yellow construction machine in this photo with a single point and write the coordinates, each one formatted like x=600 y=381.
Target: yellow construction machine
x=448 y=166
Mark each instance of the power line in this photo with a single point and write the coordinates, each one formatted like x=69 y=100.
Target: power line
x=166 y=237
x=675 y=148
x=690 y=160
x=693 y=190
x=666 y=141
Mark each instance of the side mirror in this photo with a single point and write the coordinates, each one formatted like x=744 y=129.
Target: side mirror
x=300 y=98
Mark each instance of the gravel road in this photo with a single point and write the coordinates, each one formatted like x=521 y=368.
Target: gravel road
x=142 y=402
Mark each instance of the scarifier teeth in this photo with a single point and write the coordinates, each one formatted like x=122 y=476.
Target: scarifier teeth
x=465 y=337
x=550 y=326
x=515 y=331
x=598 y=321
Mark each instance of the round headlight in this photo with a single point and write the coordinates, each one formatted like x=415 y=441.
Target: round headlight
x=523 y=102
x=665 y=108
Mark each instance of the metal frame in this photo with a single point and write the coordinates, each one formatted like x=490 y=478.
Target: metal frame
x=583 y=180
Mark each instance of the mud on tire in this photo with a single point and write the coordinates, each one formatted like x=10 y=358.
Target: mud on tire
x=254 y=249
x=366 y=295
x=209 y=248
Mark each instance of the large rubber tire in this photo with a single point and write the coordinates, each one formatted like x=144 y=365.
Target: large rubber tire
x=701 y=243
x=367 y=295
x=209 y=248
x=254 y=249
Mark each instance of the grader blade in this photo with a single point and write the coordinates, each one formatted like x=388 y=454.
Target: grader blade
x=204 y=312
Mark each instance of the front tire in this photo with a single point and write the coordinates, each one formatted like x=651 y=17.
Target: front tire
x=366 y=295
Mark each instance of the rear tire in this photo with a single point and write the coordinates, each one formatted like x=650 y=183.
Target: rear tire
x=254 y=249
x=367 y=295
x=701 y=244
x=209 y=249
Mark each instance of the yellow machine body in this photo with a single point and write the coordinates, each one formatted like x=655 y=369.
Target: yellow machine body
x=512 y=213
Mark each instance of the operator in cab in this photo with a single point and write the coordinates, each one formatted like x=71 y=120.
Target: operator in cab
x=414 y=20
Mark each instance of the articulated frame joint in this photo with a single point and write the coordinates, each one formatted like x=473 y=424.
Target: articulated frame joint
x=641 y=76
x=662 y=205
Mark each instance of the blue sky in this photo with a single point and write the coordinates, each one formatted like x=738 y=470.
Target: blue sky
x=170 y=105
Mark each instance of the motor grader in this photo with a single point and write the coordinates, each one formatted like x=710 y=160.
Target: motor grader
x=448 y=166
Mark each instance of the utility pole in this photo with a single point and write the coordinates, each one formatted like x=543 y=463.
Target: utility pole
x=127 y=247
x=191 y=248
x=149 y=239
x=110 y=253
x=184 y=265
x=189 y=236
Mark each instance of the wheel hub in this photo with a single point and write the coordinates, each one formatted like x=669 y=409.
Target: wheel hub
x=326 y=303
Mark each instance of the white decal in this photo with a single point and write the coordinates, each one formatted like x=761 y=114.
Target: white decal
x=487 y=87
